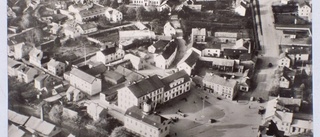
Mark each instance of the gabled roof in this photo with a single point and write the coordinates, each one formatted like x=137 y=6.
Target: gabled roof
x=152 y=119
x=180 y=74
x=82 y=75
x=54 y=63
x=113 y=75
x=160 y=45
x=190 y=59
x=304 y=124
x=17 y=118
x=108 y=51
x=284 y=55
x=169 y=50
x=288 y=73
x=146 y=86
x=220 y=80
x=12 y=62
x=35 y=52
x=41 y=77
x=96 y=70
x=97 y=10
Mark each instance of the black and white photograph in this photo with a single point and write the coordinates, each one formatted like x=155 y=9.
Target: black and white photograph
x=159 y=68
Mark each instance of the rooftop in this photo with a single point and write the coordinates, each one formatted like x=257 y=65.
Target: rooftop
x=160 y=45
x=87 y=26
x=180 y=74
x=220 y=80
x=146 y=86
x=190 y=58
x=82 y=75
x=169 y=50
x=96 y=10
x=17 y=118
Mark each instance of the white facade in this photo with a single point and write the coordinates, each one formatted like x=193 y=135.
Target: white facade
x=198 y=34
x=146 y=2
x=226 y=37
x=284 y=62
x=169 y=30
x=56 y=67
x=21 y=50
x=185 y=66
x=219 y=86
x=85 y=82
x=163 y=63
x=137 y=62
x=113 y=15
x=94 y=111
x=103 y=58
x=177 y=87
x=305 y=11
x=211 y=52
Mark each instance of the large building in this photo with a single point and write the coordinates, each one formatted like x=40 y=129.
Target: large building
x=85 y=82
x=219 y=86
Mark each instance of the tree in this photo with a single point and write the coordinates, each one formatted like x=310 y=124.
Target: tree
x=131 y=13
x=123 y=9
x=115 y=4
x=120 y=132
x=140 y=13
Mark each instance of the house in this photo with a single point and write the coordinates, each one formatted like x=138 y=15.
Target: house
x=85 y=82
x=95 y=111
x=226 y=37
x=69 y=112
x=220 y=86
x=39 y=81
x=198 y=34
x=245 y=83
x=287 y=78
x=146 y=2
x=207 y=49
x=113 y=15
x=13 y=66
x=158 y=46
x=56 y=67
x=270 y=129
x=299 y=126
x=293 y=104
x=143 y=123
x=113 y=77
x=241 y=8
x=305 y=10
x=76 y=8
x=164 y=6
x=125 y=35
x=165 y=59
x=188 y=62
x=38 y=57
x=110 y=54
x=86 y=1
x=138 y=92
x=74 y=94
x=172 y=28
x=284 y=60
x=137 y=62
x=17 y=118
x=221 y=64
x=21 y=50
x=176 y=85
x=87 y=28
x=41 y=127
x=26 y=74
x=92 y=12
x=299 y=55
x=241 y=46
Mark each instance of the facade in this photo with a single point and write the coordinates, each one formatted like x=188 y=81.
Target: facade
x=241 y=8
x=165 y=59
x=305 y=11
x=188 y=62
x=39 y=81
x=207 y=49
x=56 y=67
x=198 y=34
x=85 y=82
x=146 y=2
x=41 y=127
x=169 y=29
x=13 y=66
x=226 y=37
x=74 y=94
x=96 y=112
x=158 y=46
x=113 y=15
x=108 y=55
x=26 y=74
x=146 y=125
x=234 y=50
x=219 y=86
x=21 y=50
x=284 y=61
x=137 y=62
x=287 y=78
x=136 y=34
x=38 y=58
x=90 y=13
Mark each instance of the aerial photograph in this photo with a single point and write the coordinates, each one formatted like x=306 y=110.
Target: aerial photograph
x=159 y=68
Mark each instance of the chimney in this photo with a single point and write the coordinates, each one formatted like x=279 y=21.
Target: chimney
x=41 y=112
x=146 y=109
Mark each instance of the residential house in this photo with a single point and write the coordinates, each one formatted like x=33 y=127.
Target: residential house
x=299 y=126
x=221 y=64
x=158 y=46
x=136 y=34
x=21 y=50
x=270 y=129
x=56 y=67
x=135 y=94
x=198 y=34
x=69 y=112
x=90 y=84
x=299 y=55
x=172 y=28
x=113 y=15
x=245 y=82
x=226 y=37
x=90 y=13
x=13 y=66
x=284 y=60
x=76 y=8
x=41 y=127
x=74 y=94
x=86 y=1
x=188 y=62
x=293 y=104
x=287 y=78
x=207 y=49
x=39 y=81
x=165 y=59
x=137 y=62
x=144 y=124
x=113 y=77
x=176 y=85
x=38 y=57
x=235 y=50
x=87 y=28
x=26 y=74
x=164 y=6
x=220 y=86
x=15 y=131
x=305 y=10
x=241 y=8
x=110 y=54
x=95 y=111
x=146 y=2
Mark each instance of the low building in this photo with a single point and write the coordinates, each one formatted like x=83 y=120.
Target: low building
x=74 y=94
x=126 y=35
x=293 y=104
x=85 y=82
x=299 y=55
x=17 y=118
x=113 y=15
x=13 y=66
x=284 y=60
x=69 y=112
x=241 y=46
x=146 y=2
x=198 y=34
x=56 y=67
x=165 y=58
x=140 y=122
x=38 y=57
x=113 y=77
x=226 y=37
x=108 y=55
x=21 y=50
x=287 y=78
x=26 y=74
x=221 y=64
x=172 y=28
x=95 y=111
x=158 y=46
x=39 y=81
x=241 y=8
x=207 y=49
x=87 y=28
x=305 y=10
x=137 y=62
x=188 y=62
x=219 y=86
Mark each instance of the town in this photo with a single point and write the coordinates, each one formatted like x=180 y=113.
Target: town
x=159 y=68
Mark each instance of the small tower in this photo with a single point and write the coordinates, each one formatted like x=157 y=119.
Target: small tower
x=146 y=109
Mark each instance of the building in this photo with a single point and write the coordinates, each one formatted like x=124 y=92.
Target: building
x=198 y=34
x=207 y=49
x=17 y=118
x=21 y=50
x=26 y=74
x=74 y=94
x=85 y=82
x=137 y=62
x=110 y=54
x=69 y=112
x=114 y=77
x=287 y=78
x=41 y=127
x=241 y=8
x=226 y=37
x=138 y=92
x=144 y=124
x=146 y=2
x=15 y=131
x=136 y=34
x=172 y=28
x=305 y=10
x=76 y=8
x=95 y=111
x=284 y=60
x=56 y=67
x=90 y=13
x=219 y=86
x=39 y=81
x=299 y=55
x=13 y=66
x=293 y=104
x=221 y=64
x=113 y=15
x=176 y=85
x=241 y=46
x=188 y=62
x=158 y=46
x=38 y=58
x=165 y=59
x=87 y=28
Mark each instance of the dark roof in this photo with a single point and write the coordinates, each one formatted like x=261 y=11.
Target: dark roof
x=169 y=50
x=288 y=73
x=99 y=69
x=273 y=130
x=160 y=45
x=58 y=17
x=109 y=51
x=180 y=74
x=299 y=51
x=243 y=4
x=152 y=119
x=245 y=57
x=192 y=59
x=146 y=86
x=199 y=46
x=114 y=75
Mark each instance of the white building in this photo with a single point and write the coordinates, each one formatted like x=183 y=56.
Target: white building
x=305 y=10
x=85 y=82
x=74 y=94
x=37 y=57
x=284 y=60
x=226 y=37
x=13 y=66
x=198 y=34
x=136 y=34
x=21 y=50
x=207 y=49
x=56 y=67
x=108 y=55
x=41 y=127
x=188 y=62
x=241 y=8
x=96 y=112
x=165 y=58
x=26 y=74
x=137 y=62
x=113 y=15
x=146 y=2
x=87 y=28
